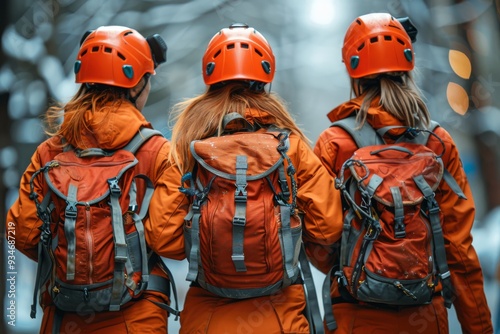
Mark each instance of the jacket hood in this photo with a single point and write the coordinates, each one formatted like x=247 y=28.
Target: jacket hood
x=254 y=115
x=377 y=117
x=112 y=130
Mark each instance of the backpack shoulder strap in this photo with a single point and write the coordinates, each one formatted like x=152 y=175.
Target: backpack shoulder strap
x=423 y=137
x=140 y=138
x=363 y=136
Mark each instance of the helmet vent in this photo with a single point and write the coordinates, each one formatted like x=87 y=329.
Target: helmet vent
x=374 y=39
x=217 y=54
x=388 y=38
x=400 y=41
x=361 y=47
x=230 y=46
x=84 y=52
x=122 y=57
x=358 y=21
x=244 y=45
x=108 y=50
x=258 y=52
x=95 y=49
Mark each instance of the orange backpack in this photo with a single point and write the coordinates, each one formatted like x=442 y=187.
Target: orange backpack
x=242 y=233
x=92 y=250
x=392 y=247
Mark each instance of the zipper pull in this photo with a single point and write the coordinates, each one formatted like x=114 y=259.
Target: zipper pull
x=407 y=292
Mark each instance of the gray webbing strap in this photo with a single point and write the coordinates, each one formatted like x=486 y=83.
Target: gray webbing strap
x=283 y=182
x=132 y=204
x=239 y=219
x=139 y=226
x=286 y=236
x=132 y=207
x=399 y=213
x=374 y=183
x=44 y=265
x=286 y=231
x=452 y=183
x=195 y=244
x=313 y=313
x=92 y=152
x=345 y=237
x=143 y=135
x=69 y=231
x=120 y=245
x=364 y=136
x=330 y=321
x=437 y=235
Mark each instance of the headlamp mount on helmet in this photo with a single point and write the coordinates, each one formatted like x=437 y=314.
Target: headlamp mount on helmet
x=158 y=49
x=410 y=29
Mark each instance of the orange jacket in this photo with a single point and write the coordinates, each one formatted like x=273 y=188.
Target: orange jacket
x=322 y=227
x=113 y=132
x=334 y=146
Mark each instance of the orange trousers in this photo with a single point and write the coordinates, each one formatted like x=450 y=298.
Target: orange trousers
x=206 y=313
x=357 y=319
x=140 y=316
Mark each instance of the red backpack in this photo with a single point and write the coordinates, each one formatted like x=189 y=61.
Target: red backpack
x=243 y=235
x=92 y=250
x=392 y=247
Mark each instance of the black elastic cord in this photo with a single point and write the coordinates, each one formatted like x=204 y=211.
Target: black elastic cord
x=134 y=99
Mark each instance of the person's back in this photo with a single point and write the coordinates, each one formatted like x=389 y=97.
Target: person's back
x=103 y=117
x=237 y=65
x=379 y=57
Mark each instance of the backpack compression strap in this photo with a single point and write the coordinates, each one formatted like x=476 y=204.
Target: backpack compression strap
x=312 y=306
x=122 y=260
x=437 y=232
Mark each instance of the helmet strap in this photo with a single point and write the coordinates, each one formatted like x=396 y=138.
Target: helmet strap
x=133 y=99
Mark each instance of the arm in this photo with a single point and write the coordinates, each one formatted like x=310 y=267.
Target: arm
x=22 y=214
x=466 y=274
x=320 y=202
x=168 y=207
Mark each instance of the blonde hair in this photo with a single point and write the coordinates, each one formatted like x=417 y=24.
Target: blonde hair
x=202 y=116
x=399 y=95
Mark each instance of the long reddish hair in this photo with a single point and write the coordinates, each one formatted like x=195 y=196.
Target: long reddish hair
x=69 y=120
x=202 y=116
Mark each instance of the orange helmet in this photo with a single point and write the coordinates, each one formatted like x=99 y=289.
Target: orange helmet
x=238 y=53
x=377 y=43
x=117 y=56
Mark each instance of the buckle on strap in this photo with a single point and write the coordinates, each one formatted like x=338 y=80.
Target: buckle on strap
x=240 y=196
x=239 y=221
x=121 y=253
x=70 y=211
x=445 y=275
x=114 y=188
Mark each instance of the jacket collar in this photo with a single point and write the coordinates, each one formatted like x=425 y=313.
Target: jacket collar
x=115 y=129
x=377 y=117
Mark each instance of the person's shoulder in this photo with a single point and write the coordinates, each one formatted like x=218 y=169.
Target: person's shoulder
x=441 y=134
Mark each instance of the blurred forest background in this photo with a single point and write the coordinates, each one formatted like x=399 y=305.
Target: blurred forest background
x=457 y=57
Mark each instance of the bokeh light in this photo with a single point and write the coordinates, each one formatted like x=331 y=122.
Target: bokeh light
x=457 y=98
x=460 y=63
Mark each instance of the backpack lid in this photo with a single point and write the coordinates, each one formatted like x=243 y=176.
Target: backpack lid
x=383 y=167
x=218 y=154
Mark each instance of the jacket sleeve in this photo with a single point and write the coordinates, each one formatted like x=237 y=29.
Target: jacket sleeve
x=168 y=207
x=22 y=214
x=466 y=274
x=320 y=202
